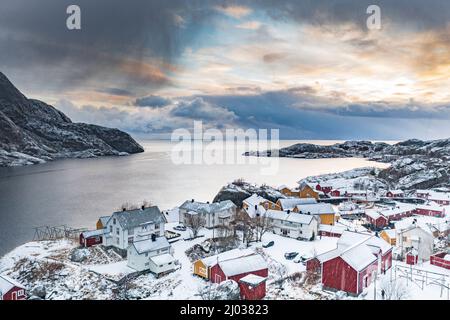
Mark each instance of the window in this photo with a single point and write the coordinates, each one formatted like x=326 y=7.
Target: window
x=114 y=221
x=130 y=240
x=117 y=231
x=117 y=241
x=131 y=232
x=144 y=228
x=20 y=292
x=157 y=226
x=147 y=264
x=146 y=254
x=110 y=229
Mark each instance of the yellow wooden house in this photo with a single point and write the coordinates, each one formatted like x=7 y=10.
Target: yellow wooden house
x=101 y=222
x=306 y=191
x=389 y=236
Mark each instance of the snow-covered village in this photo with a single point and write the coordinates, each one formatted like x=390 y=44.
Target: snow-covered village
x=336 y=236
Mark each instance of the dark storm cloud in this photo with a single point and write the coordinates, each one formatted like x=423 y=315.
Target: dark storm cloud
x=115 y=91
x=116 y=38
x=152 y=101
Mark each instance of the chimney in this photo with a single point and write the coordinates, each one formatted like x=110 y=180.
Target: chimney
x=124 y=209
x=207 y=202
x=289 y=211
x=256 y=207
x=153 y=237
x=192 y=200
x=143 y=207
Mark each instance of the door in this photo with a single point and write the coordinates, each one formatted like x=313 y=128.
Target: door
x=217 y=278
x=14 y=295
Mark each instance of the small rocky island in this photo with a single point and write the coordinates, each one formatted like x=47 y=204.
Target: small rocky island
x=414 y=164
x=32 y=132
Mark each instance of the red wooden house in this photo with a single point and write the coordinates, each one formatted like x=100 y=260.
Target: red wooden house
x=376 y=220
x=395 y=194
x=352 y=265
x=324 y=188
x=236 y=269
x=92 y=238
x=441 y=259
x=11 y=289
x=335 y=193
x=252 y=287
x=430 y=210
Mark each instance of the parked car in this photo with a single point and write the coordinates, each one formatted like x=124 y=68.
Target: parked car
x=268 y=244
x=290 y=255
x=301 y=259
x=180 y=227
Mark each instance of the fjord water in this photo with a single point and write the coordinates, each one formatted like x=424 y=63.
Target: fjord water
x=76 y=192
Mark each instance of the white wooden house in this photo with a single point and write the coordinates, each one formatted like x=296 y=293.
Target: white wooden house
x=154 y=254
x=415 y=238
x=293 y=225
x=125 y=227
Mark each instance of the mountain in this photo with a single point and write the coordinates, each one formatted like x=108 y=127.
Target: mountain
x=414 y=164
x=32 y=131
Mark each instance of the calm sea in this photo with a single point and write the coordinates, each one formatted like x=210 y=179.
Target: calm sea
x=77 y=192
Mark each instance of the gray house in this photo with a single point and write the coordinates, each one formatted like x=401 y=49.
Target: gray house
x=125 y=227
x=214 y=214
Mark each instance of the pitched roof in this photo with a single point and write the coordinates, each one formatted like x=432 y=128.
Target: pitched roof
x=207 y=208
x=291 y=203
x=7 y=283
x=94 y=233
x=253 y=279
x=243 y=265
x=292 y=217
x=149 y=245
x=227 y=255
x=104 y=220
x=162 y=259
x=254 y=200
x=316 y=208
x=133 y=218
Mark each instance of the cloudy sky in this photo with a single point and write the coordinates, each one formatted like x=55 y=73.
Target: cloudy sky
x=310 y=68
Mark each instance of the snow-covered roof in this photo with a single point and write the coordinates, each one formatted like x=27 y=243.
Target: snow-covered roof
x=391 y=233
x=439 y=196
x=227 y=255
x=252 y=212
x=292 y=217
x=373 y=214
x=398 y=210
x=243 y=265
x=7 y=283
x=162 y=259
x=332 y=229
x=254 y=200
x=358 y=257
x=104 y=220
x=133 y=218
x=253 y=279
x=149 y=245
x=207 y=208
x=94 y=233
x=447 y=257
x=432 y=206
x=291 y=203
x=357 y=249
x=427 y=223
x=316 y=208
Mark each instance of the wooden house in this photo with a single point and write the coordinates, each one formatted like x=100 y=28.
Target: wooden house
x=92 y=238
x=324 y=211
x=101 y=222
x=203 y=266
x=238 y=268
x=389 y=236
x=306 y=191
x=352 y=265
x=10 y=289
x=252 y=287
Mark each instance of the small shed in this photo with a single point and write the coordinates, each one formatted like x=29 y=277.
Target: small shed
x=92 y=238
x=10 y=289
x=235 y=269
x=376 y=220
x=252 y=287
